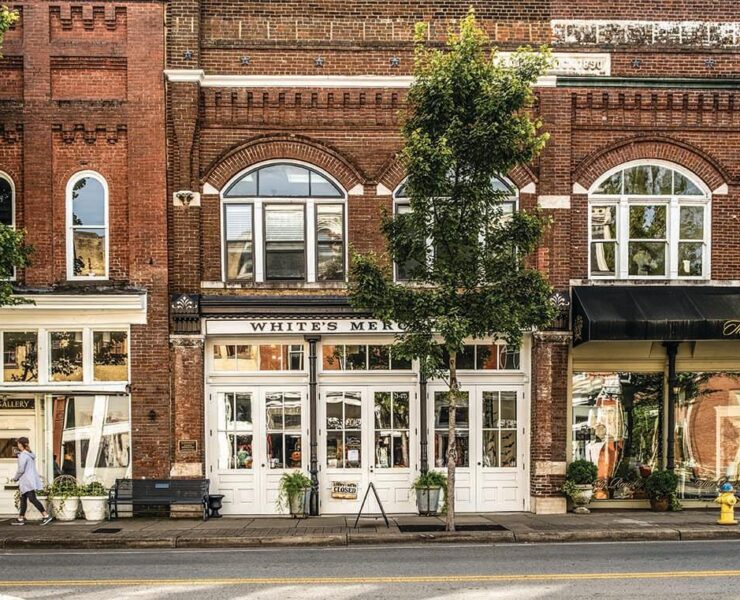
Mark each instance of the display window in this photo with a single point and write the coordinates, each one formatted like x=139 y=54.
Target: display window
x=245 y=358
x=391 y=411
x=92 y=437
x=441 y=429
x=344 y=430
x=617 y=425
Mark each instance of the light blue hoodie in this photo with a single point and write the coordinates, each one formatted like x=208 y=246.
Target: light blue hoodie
x=27 y=476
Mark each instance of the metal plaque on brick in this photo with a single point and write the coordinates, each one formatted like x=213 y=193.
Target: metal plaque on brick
x=187 y=446
x=344 y=490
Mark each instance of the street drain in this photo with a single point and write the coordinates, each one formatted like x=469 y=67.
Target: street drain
x=107 y=530
x=432 y=527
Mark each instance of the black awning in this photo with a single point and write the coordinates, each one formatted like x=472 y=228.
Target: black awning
x=650 y=312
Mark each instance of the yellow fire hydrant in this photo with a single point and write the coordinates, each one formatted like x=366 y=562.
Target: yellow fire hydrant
x=726 y=501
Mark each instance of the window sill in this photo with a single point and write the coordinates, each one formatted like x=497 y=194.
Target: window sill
x=274 y=285
x=642 y=281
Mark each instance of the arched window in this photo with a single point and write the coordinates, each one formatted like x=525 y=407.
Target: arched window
x=7 y=204
x=401 y=206
x=649 y=220
x=87 y=226
x=283 y=222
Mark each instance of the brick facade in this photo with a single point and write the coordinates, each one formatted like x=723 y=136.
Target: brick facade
x=216 y=131
x=82 y=89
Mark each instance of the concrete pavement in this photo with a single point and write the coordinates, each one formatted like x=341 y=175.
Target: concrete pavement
x=240 y=532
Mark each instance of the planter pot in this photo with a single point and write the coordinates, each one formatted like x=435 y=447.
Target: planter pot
x=581 y=497
x=427 y=500
x=215 y=504
x=660 y=504
x=299 y=503
x=94 y=507
x=65 y=509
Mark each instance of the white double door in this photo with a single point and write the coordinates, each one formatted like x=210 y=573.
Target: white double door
x=368 y=434
x=491 y=424
x=255 y=434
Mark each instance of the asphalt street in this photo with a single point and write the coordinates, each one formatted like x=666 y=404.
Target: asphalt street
x=492 y=572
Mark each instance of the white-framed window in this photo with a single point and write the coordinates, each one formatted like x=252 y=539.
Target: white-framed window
x=283 y=221
x=87 y=226
x=7 y=205
x=401 y=206
x=98 y=354
x=649 y=220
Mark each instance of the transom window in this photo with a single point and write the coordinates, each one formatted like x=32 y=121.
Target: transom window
x=401 y=206
x=87 y=226
x=253 y=357
x=649 y=221
x=362 y=357
x=283 y=222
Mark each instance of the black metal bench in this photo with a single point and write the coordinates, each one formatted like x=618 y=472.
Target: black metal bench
x=158 y=492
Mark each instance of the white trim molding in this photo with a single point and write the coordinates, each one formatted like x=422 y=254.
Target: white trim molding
x=722 y=190
x=208 y=189
x=70 y=309
x=553 y=202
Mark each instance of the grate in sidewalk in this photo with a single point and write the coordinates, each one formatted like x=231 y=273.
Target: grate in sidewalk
x=106 y=530
x=431 y=527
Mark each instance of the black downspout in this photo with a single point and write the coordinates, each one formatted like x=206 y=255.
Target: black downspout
x=314 y=439
x=423 y=442
x=670 y=457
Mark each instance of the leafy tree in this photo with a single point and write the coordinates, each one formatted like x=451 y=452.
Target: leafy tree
x=7 y=18
x=14 y=254
x=469 y=122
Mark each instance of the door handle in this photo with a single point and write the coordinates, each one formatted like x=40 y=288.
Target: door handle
x=479 y=464
x=263 y=466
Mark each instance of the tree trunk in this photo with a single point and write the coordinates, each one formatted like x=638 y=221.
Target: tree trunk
x=451 y=443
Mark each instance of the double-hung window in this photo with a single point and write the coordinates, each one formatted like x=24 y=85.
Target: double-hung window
x=87 y=226
x=283 y=222
x=649 y=221
x=7 y=212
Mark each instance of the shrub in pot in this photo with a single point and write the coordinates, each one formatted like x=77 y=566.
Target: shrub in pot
x=428 y=487
x=661 y=488
x=295 y=490
x=64 y=497
x=94 y=498
x=579 y=484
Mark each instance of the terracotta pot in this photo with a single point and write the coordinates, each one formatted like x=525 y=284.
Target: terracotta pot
x=660 y=504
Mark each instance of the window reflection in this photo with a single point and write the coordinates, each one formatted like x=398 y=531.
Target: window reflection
x=441 y=425
x=92 y=437
x=110 y=355
x=391 y=429
x=66 y=355
x=20 y=356
x=344 y=430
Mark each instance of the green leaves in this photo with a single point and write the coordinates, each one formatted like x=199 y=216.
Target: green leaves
x=469 y=123
x=7 y=18
x=14 y=254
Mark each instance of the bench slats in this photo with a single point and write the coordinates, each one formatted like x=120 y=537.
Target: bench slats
x=159 y=492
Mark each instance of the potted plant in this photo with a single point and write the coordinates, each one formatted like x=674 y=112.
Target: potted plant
x=428 y=487
x=295 y=490
x=64 y=497
x=94 y=498
x=661 y=488
x=579 y=484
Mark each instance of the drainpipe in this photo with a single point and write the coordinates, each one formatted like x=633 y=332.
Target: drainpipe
x=314 y=440
x=671 y=351
x=423 y=442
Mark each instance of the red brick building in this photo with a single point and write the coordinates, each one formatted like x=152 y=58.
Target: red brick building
x=283 y=134
x=83 y=171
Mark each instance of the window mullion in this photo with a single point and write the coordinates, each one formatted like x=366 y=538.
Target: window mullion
x=623 y=233
x=672 y=236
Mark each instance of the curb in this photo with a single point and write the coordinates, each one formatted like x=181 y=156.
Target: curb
x=370 y=539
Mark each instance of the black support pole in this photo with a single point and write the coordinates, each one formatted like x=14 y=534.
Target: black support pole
x=314 y=439
x=670 y=456
x=423 y=442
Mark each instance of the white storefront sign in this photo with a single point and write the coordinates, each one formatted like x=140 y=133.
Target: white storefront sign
x=297 y=326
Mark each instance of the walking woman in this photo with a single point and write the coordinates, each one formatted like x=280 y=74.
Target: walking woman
x=28 y=481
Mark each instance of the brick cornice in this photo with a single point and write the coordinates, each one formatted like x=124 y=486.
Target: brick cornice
x=283 y=146
x=651 y=147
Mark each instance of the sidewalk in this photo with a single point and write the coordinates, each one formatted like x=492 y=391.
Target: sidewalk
x=237 y=532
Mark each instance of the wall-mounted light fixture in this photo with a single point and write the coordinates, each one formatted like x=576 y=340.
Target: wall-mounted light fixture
x=152 y=415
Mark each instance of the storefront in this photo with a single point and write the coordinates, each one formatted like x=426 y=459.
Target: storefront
x=655 y=382
x=294 y=385
x=65 y=385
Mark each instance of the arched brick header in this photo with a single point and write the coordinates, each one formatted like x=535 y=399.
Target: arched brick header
x=655 y=148
x=286 y=147
x=393 y=174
